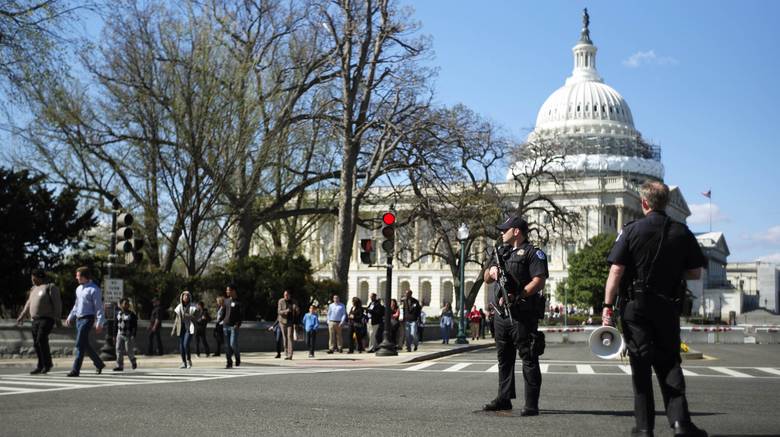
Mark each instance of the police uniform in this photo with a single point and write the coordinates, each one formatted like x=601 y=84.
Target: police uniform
x=650 y=310
x=521 y=333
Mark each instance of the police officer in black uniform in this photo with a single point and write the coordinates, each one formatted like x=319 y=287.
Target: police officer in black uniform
x=650 y=259
x=526 y=272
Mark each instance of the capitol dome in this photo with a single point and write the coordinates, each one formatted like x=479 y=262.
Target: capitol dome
x=593 y=123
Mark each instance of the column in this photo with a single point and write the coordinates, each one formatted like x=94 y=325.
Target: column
x=619 y=218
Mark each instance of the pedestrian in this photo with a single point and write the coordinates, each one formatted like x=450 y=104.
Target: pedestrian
x=482 y=323
x=395 y=321
x=475 y=319
x=126 y=329
x=44 y=307
x=445 y=323
x=492 y=321
x=517 y=323
x=234 y=314
x=356 y=325
x=337 y=316
x=421 y=325
x=287 y=310
x=311 y=323
x=200 y=329
x=186 y=313
x=278 y=338
x=155 y=323
x=651 y=257
x=412 y=310
x=219 y=328
x=376 y=319
x=87 y=312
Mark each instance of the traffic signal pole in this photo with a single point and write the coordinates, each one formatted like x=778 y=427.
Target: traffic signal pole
x=387 y=348
x=108 y=351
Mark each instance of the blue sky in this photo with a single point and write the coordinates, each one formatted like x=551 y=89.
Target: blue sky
x=700 y=78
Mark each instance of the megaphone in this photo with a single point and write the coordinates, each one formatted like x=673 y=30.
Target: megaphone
x=606 y=343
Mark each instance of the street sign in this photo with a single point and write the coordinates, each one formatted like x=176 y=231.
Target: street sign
x=113 y=290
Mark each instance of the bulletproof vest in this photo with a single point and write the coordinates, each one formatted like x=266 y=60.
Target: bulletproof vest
x=518 y=274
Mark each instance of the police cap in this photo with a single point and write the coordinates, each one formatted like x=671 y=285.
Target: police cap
x=514 y=222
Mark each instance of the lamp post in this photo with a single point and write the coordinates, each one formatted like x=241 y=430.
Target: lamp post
x=463 y=235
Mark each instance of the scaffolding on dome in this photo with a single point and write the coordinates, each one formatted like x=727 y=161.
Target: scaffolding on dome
x=636 y=147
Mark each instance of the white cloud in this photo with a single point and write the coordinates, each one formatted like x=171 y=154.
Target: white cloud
x=771 y=258
x=772 y=235
x=700 y=214
x=648 y=58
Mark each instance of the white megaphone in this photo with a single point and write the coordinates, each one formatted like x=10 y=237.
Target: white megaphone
x=606 y=343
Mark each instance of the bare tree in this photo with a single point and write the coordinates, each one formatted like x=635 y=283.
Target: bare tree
x=380 y=90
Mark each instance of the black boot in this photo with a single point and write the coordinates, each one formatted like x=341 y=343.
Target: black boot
x=641 y=432
x=688 y=429
x=498 y=405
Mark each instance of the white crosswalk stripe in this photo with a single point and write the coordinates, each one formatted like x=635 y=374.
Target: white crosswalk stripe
x=594 y=369
x=13 y=384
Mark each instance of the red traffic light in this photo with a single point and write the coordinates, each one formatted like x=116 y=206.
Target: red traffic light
x=388 y=218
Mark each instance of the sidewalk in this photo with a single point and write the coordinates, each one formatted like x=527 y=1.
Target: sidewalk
x=426 y=351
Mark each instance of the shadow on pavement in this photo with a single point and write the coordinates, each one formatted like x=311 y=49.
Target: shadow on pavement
x=627 y=413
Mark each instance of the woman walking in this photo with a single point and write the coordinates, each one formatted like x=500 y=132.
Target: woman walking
x=446 y=323
x=395 y=323
x=219 y=329
x=475 y=319
x=184 y=326
x=356 y=325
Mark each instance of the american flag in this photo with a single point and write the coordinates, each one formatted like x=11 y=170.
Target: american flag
x=707 y=194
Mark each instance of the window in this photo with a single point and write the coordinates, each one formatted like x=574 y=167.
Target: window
x=446 y=294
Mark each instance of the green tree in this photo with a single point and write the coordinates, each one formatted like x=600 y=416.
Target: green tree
x=37 y=226
x=588 y=270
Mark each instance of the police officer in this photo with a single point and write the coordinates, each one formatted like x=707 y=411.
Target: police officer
x=651 y=257
x=526 y=272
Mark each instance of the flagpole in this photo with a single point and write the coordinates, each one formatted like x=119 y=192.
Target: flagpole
x=710 y=208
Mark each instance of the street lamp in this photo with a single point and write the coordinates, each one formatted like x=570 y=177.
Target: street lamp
x=463 y=235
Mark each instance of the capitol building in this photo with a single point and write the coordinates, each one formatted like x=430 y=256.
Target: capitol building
x=605 y=160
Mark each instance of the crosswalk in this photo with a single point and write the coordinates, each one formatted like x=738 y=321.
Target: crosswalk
x=15 y=384
x=594 y=369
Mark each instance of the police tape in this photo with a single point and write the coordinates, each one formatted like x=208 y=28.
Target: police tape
x=562 y=329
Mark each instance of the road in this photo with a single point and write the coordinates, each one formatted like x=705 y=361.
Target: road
x=736 y=393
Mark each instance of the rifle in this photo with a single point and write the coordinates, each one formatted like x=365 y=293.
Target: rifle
x=502 y=283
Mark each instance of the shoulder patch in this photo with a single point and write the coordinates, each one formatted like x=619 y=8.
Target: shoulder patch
x=540 y=255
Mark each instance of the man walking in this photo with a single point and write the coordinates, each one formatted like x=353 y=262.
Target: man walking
x=651 y=257
x=234 y=314
x=412 y=310
x=155 y=322
x=337 y=316
x=376 y=315
x=287 y=311
x=86 y=312
x=44 y=307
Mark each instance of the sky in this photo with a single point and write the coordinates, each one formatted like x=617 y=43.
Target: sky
x=700 y=78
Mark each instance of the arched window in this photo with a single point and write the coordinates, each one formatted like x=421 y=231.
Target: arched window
x=425 y=293
x=363 y=291
x=446 y=294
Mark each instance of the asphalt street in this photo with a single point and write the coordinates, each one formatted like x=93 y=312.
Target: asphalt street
x=735 y=393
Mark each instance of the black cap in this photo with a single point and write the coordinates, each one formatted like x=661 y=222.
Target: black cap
x=514 y=222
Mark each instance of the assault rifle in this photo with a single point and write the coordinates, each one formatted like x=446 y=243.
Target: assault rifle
x=502 y=283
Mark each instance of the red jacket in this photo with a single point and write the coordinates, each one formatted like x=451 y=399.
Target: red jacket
x=475 y=316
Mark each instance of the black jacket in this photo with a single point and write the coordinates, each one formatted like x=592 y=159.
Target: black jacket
x=376 y=312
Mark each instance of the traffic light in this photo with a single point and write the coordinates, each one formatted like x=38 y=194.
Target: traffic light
x=125 y=241
x=388 y=231
x=367 y=253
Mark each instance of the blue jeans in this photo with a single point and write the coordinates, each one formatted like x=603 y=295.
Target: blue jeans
x=83 y=326
x=231 y=344
x=185 y=338
x=445 y=333
x=411 y=334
